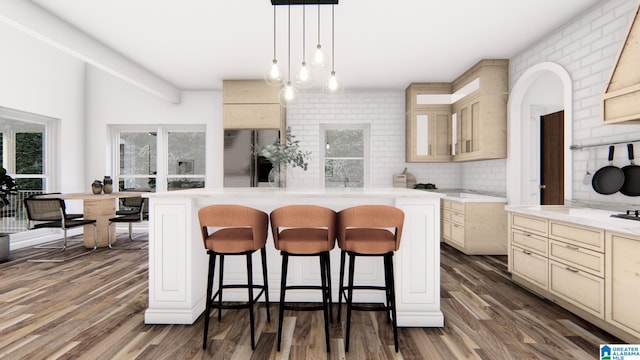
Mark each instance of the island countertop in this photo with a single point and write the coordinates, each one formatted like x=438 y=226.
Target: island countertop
x=178 y=260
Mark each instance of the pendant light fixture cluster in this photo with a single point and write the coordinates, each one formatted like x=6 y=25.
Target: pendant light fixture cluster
x=274 y=75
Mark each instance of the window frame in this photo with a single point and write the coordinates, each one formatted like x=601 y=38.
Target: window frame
x=366 y=151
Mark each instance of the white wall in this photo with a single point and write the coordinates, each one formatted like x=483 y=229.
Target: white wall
x=39 y=79
x=111 y=101
x=586 y=47
x=384 y=110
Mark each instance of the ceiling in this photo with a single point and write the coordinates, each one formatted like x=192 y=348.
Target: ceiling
x=381 y=44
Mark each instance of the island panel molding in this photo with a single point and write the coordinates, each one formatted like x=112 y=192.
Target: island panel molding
x=178 y=261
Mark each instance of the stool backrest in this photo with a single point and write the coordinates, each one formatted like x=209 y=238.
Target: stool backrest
x=370 y=216
x=228 y=216
x=303 y=216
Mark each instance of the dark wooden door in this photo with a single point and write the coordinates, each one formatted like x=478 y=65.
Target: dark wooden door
x=552 y=159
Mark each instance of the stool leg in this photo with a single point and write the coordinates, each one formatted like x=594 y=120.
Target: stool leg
x=392 y=287
x=263 y=254
x=325 y=308
x=283 y=286
x=349 y=299
x=387 y=289
x=341 y=287
x=250 y=288
x=220 y=286
x=328 y=277
x=207 y=313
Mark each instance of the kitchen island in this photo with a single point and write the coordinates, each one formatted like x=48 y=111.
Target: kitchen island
x=178 y=260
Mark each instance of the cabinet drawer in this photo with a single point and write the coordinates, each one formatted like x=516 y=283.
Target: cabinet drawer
x=530 y=224
x=457 y=234
x=457 y=218
x=578 y=287
x=446 y=215
x=446 y=230
x=529 y=241
x=578 y=235
x=446 y=204
x=457 y=206
x=530 y=266
x=581 y=258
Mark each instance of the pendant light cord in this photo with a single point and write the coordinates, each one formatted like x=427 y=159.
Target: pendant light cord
x=274 y=32
x=304 y=31
x=289 y=35
x=318 y=24
x=333 y=40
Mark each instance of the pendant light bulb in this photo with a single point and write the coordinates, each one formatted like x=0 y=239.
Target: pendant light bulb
x=303 y=79
x=288 y=95
x=333 y=85
x=319 y=57
x=274 y=75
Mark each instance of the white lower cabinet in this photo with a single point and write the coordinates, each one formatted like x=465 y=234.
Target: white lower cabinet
x=591 y=272
x=623 y=282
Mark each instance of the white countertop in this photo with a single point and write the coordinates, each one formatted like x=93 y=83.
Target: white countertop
x=299 y=192
x=596 y=218
x=475 y=198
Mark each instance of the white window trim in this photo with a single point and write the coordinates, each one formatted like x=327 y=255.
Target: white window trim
x=161 y=142
x=367 y=153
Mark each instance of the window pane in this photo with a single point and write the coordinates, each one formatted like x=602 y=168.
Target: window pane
x=29 y=153
x=184 y=183
x=344 y=143
x=344 y=173
x=186 y=153
x=137 y=184
x=138 y=153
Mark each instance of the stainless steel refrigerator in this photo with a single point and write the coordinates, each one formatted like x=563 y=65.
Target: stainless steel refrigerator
x=243 y=164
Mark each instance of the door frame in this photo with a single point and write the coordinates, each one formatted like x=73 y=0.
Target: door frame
x=521 y=146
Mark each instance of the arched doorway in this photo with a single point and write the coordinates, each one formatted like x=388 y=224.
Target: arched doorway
x=542 y=89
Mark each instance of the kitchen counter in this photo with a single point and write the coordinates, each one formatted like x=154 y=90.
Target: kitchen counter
x=470 y=196
x=178 y=261
x=596 y=218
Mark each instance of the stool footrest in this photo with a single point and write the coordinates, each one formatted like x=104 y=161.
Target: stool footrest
x=303 y=287
x=239 y=304
x=308 y=307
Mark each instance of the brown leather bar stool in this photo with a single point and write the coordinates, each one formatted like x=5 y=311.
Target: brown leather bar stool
x=369 y=230
x=305 y=230
x=237 y=230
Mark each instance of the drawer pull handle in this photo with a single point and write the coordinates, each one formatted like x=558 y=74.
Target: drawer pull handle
x=527 y=234
x=571 y=247
x=526 y=252
x=572 y=269
x=458 y=226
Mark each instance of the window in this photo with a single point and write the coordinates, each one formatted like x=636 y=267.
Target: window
x=345 y=155
x=160 y=158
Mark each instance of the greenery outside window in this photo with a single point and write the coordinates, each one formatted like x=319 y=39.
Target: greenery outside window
x=345 y=155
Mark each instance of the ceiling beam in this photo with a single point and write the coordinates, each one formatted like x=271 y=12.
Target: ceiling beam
x=35 y=21
x=304 y=2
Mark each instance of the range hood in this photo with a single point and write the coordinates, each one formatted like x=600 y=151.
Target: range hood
x=621 y=100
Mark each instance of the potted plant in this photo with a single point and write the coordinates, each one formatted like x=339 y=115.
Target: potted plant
x=282 y=154
x=7 y=187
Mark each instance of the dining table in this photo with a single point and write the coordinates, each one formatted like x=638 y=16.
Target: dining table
x=100 y=207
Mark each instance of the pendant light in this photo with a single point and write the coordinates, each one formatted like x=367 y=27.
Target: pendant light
x=303 y=79
x=318 y=55
x=289 y=94
x=333 y=85
x=274 y=75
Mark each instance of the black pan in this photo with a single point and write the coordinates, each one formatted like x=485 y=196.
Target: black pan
x=631 y=186
x=609 y=179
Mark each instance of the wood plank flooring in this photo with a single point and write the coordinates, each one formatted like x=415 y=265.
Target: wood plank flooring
x=92 y=308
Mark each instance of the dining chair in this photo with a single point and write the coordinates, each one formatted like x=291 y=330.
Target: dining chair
x=51 y=213
x=133 y=210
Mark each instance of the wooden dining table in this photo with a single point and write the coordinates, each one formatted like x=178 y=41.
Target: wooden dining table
x=99 y=207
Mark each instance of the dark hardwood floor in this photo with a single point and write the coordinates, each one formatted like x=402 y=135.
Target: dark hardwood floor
x=92 y=308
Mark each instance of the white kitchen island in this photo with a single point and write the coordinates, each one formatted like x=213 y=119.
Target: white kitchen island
x=178 y=260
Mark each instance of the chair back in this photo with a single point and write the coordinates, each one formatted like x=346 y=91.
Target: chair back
x=370 y=217
x=39 y=209
x=303 y=216
x=234 y=216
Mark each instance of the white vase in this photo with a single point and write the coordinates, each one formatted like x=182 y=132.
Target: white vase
x=277 y=176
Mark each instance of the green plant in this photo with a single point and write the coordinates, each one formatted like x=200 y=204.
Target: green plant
x=7 y=187
x=288 y=153
x=422 y=186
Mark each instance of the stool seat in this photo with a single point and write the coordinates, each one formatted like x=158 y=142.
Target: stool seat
x=369 y=241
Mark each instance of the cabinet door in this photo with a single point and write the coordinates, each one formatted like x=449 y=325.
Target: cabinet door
x=530 y=266
x=578 y=287
x=428 y=136
x=623 y=281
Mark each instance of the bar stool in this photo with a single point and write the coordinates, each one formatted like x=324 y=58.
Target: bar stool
x=237 y=230
x=366 y=231
x=305 y=230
